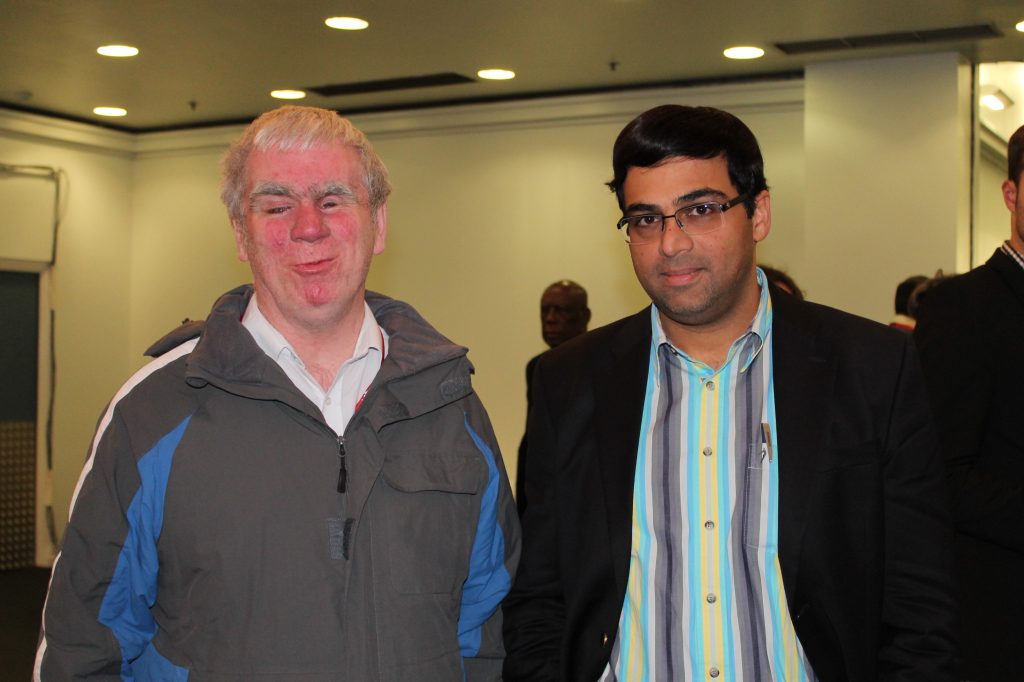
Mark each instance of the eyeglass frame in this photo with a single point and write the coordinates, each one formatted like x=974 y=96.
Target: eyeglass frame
x=725 y=206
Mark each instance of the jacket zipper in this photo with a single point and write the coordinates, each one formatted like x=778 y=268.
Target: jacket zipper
x=342 y=470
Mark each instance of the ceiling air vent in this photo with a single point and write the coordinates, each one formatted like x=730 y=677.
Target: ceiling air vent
x=954 y=33
x=406 y=83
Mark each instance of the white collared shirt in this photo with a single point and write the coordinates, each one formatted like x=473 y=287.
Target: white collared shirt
x=338 y=403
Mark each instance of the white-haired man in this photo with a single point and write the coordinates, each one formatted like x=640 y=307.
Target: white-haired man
x=304 y=487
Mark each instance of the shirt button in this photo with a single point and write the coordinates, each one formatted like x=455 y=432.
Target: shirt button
x=707 y=451
x=710 y=525
x=713 y=672
x=712 y=599
x=710 y=385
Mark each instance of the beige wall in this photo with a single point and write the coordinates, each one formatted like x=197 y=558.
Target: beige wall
x=888 y=176
x=992 y=220
x=492 y=203
x=88 y=288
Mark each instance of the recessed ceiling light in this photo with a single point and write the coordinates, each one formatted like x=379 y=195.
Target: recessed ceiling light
x=110 y=111
x=287 y=94
x=347 y=23
x=1020 y=26
x=496 y=74
x=117 y=50
x=743 y=52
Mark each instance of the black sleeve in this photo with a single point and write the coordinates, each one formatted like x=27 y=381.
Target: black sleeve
x=535 y=609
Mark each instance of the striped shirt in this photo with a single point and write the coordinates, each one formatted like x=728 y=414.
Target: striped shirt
x=704 y=597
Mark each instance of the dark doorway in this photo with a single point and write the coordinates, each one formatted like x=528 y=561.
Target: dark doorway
x=19 y=347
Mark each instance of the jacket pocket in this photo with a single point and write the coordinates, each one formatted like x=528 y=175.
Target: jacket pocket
x=430 y=503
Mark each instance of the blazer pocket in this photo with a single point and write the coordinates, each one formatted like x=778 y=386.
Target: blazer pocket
x=430 y=502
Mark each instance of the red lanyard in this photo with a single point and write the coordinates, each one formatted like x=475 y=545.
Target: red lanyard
x=363 y=396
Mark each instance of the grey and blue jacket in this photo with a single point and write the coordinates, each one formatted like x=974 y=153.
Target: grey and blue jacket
x=222 y=531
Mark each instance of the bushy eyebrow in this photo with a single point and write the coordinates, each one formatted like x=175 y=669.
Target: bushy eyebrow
x=276 y=189
x=682 y=200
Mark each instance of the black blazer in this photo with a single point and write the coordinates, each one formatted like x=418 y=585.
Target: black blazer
x=969 y=333
x=863 y=528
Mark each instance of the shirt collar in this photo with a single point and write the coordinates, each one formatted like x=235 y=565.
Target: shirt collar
x=749 y=342
x=274 y=344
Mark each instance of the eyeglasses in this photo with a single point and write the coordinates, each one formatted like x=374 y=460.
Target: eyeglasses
x=694 y=219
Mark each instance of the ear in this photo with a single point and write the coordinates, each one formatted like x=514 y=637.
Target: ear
x=762 y=218
x=381 y=230
x=1010 y=195
x=238 y=227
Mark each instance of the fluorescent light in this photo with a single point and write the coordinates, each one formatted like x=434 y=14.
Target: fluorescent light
x=117 y=50
x=496 y=74
x=287 y=94
x=110 y=111
x=743 y=52
x=994 y=99
x=347 y=23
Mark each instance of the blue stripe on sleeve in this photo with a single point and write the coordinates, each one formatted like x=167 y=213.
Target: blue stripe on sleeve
x=488 y=581
x=132 y=590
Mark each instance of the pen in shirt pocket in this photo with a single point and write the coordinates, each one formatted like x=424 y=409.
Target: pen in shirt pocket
x=766 y=441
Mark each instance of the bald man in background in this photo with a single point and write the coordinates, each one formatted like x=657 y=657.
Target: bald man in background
x=563 y=315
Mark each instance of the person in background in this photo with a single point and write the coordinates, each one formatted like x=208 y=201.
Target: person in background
x=305 y=486
x=903 y=320
x=732 y=484
x=968 y=332
x=782 y=280
x=563 y=315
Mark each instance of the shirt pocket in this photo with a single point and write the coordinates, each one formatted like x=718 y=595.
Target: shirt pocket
x=431 y=507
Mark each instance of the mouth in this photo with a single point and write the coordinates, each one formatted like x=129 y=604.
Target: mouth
x=313 y=267
x=681 y=276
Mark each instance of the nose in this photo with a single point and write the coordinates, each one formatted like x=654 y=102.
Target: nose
x=309 y=225
x=674 y=239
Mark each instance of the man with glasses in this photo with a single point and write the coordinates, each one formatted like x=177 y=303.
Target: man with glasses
x=732 y=484
x=969 y=332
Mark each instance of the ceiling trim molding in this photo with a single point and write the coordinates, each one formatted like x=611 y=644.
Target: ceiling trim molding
x=56 y=130
x=590 y=109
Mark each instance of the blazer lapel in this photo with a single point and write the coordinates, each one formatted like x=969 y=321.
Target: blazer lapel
x=804 y=374
x=619 y=388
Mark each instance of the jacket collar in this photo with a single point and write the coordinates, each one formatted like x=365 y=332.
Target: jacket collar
x=1009 y=271
x=228 y=357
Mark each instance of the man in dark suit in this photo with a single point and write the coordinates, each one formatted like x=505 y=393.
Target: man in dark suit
x=969 y=332
x=564 y=315
x=731 y=484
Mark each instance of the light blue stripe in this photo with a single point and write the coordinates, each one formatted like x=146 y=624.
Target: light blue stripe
x=725 y=516
x=132 y=589
x=694 y=460
x=488 y=581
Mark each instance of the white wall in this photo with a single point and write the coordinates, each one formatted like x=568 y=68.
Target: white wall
x=992 y=220
x=887 y=189
x=88 y=288
x=491 y=204
x=494 y=202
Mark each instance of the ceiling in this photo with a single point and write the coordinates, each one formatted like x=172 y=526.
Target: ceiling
x=204 y=63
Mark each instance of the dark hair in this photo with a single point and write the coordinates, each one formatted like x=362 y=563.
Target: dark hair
x=672 y=131
x=903 y=291
x=1015 y=155
x=782 y=280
